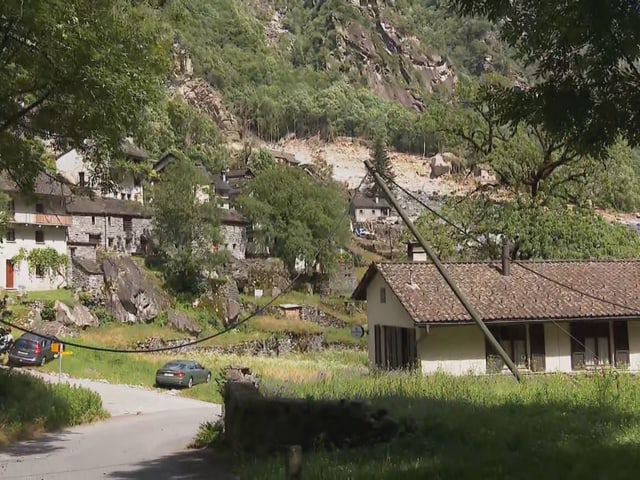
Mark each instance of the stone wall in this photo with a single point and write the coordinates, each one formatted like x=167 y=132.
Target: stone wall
x=87 y=275
x=234 y=240
x=258 y=424
x=111 y=231
x=343 y=281
x=320 y=317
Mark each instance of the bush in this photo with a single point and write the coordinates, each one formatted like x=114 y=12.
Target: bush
x=103 y=315
x=29 y=405
x=48 y=313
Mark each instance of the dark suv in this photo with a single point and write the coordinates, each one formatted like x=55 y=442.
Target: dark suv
x=31 y=349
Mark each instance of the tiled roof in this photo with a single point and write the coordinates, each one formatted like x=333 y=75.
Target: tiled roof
x=549 y=290
x=360 y=200
x=45 y=184
x=231 y=217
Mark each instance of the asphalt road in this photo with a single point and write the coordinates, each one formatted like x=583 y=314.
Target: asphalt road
x=145 y=438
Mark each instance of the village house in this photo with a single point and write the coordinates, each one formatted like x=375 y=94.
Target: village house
x=204 y=191
x=118 y=225
x=233 y=229
x=368 y=208
x=549 y=316
x=229 y=186
x=127 y=185
x=284 y=158
x=37 y=220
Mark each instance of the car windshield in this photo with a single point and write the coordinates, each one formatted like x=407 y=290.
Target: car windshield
x=25 y=344
x=174 y=366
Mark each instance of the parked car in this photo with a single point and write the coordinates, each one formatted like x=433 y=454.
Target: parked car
x=31 y=349
x=182 y=373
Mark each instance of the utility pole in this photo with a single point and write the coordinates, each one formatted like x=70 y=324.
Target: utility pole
x=436 y=261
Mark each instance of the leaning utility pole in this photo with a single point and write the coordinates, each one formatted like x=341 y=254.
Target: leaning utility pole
x=463 y=299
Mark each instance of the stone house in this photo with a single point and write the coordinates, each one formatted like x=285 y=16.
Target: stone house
x=119 y=225
x=229 y=185
x=284 y=158
x=368 y=208
x=204 y=191
x=37 y=220
x=127 y=186
x=549 y=316
x=233 y=229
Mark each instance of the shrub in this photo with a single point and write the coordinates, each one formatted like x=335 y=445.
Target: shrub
x=103 y=315
x=28 y=405
x=48 y=313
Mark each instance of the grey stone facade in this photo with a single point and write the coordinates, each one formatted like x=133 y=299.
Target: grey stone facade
x=87 y=275
x=234 y=239
x=107 y=231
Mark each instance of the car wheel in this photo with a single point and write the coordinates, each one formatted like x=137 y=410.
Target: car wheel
x=208 y=377
x=190 y=384
x=43 y=361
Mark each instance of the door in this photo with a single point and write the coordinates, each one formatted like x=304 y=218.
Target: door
x=9 y=270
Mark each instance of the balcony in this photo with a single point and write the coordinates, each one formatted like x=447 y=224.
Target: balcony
x=50 y=219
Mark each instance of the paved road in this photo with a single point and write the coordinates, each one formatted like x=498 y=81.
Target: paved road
x=145 y=439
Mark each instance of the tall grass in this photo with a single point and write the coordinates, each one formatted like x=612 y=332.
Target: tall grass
x=555 y=426
x=29 y=406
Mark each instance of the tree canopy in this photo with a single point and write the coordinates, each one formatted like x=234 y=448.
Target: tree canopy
x=586 y=59
x=72 y=70
x=185 y=228
x=294 y=216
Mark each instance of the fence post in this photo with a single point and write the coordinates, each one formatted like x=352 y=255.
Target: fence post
x=293 y=465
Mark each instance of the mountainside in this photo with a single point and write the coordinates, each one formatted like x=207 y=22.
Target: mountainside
x=333 y=67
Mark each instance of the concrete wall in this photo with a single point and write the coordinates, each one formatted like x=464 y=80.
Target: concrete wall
x=234 y=240
x=391 y=313
x=111 y=231
x=557 y=346
x=457 y=350
x=634 y=345
x=25 y=237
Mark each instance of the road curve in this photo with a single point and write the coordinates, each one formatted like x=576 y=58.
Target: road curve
x=145 y=438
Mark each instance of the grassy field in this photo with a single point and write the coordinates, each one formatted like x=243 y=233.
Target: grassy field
x=480 y=428
x=29 y=407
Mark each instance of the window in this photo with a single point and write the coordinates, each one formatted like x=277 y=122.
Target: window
x=127 y=224
x=109 y=221
x=39 y=271
x=590 y=345
x=11 y=235
x=39 y=236
x=93 y=220
x=513 y=339
x=110 y=242
x=72 y=251
x=94 y=239
x=361 y=211
x=136 y=182
x=39 y=208
x=128 y=196
x=383 y=295
x=81 y=180
x=233 y=246
x=395 y=347
x=12 y=209
x=122 y=196
x=127 y=242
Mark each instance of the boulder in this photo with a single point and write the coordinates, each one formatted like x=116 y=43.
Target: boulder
x=54 y=329
x=183 y=323
x=83 y=317
x=129 y=295
x=34 y=316
x=439 y=166
x=63 y=313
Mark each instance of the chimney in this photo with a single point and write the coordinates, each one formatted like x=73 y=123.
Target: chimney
x=377 y=199
x=223 y=176
x=506 y=257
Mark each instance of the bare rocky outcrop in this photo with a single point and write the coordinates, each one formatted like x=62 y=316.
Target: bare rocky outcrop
x=182 y=322
x=225 y=300
x=80 y=316
x=129 y=295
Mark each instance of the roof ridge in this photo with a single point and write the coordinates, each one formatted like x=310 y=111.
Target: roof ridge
x=488 y=262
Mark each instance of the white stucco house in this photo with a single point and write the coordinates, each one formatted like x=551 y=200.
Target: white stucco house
x=34 y=221
x=550 y=316
x=368 y=208
x=127 y=186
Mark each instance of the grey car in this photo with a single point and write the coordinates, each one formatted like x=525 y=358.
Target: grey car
x=31 y=349
x=182 y=373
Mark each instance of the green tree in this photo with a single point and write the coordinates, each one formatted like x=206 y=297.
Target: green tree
x=586 y=57
x=74 y=70
x=381 y=161
x=261 y=160
x=536 y=231
x=185 y=228
x=293 y=216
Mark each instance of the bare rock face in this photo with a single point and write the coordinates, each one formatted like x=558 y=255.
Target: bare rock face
x=129 y=295
x=183 y=323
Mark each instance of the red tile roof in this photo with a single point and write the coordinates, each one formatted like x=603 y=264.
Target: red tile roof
x=547 y=290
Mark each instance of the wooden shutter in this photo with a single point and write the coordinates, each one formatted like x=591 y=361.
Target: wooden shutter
x=377 y=333
x=536 y=341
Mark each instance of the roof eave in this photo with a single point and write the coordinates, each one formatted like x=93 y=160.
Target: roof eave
x=360 y=293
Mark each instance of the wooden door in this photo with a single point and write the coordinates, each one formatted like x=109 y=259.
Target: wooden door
x=9 y=270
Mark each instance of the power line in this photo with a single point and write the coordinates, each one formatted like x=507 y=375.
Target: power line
x=289 y=286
